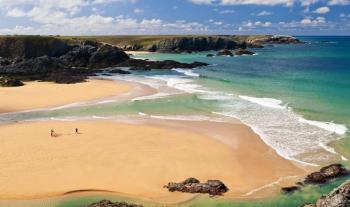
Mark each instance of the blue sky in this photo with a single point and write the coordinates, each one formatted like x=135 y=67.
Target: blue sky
x=106 y=17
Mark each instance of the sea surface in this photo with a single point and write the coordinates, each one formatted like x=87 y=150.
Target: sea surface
x=296 y=97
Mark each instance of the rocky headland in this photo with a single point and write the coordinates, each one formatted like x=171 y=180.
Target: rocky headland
x=26 y=58
x=204 y=43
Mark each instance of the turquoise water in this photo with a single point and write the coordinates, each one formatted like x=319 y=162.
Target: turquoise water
x=296 y=97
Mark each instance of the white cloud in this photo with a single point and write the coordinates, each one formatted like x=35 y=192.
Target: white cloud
x=322 y=10
x=227 y=11
x=308 y=21
x=202 y=1
x=137 y=10
x=263 y=24
x=338 y=2
x=16 y=12
x=257 y=2
x=264 y=13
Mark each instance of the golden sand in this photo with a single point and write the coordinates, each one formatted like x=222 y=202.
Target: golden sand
x=42 y=94
x=132 y=159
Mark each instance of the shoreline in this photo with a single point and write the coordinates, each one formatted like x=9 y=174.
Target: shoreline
x=44 y=95
x=202 y=129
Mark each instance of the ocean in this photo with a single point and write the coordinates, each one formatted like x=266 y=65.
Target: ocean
x=296 y=97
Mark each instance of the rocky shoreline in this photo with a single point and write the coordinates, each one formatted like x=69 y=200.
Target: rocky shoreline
x=207 y=43
x=50 y=59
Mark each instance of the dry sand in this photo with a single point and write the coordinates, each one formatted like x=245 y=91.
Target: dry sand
x=133 y=159
x=42 y=94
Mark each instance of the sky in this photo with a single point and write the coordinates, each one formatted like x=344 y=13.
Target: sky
x=126 y=17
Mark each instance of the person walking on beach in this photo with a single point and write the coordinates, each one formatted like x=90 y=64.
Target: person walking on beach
x=52 y=132
x=76 y=131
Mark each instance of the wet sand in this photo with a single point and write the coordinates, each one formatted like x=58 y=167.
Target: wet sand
x=36 y=95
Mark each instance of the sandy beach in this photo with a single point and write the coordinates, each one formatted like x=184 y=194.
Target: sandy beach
x=34 y=95
x=132 y=159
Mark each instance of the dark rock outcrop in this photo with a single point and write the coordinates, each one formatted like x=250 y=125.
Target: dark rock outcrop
x=339 y=197
x=185 y=44
x=69 y=63
x=224 y=52
x=291 y=189
x=9 y=82
x=107 y=56
x=31 y=47
x=107 y=203
x=326 y=173
x=192 y=185
x=138 y=64
x=240 y=52
x=273 y=40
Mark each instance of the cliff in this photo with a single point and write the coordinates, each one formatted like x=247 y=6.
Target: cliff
x=31 y=46
x=187 y=43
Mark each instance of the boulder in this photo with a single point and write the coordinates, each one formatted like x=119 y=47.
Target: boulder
x=192 y=185
x=119 y=71
x=224 y=52
x=107 y=203
x=326 y=173
x=291 y=189
x=138 y=64
x=107 y=56
x=9 y=82
x=243 y=52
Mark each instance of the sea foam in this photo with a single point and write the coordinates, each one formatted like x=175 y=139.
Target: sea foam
x=277 y=125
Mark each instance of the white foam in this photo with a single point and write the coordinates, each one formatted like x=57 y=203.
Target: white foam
x=268 y=102
x=269 y=185
x=182 y=118
x=154 y=96
x=187 y=72
x=327 y=148
x=329 y=126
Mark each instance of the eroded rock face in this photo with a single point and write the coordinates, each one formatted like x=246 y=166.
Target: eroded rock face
x=340 y=197
x=224 y=52
x=31 y=47
x=186 y=44
x=192 y=185
x=326 y=173
x=107 y=203
x=107 y=56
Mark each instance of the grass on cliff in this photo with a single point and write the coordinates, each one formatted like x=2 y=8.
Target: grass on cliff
x=144 y=40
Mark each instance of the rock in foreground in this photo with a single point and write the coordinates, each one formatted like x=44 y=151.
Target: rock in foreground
x=9 y=82
x=326 y=173
x=240 y=52
x=107 y=203
x=192 y=185
x=340 y=197
x=225 y=52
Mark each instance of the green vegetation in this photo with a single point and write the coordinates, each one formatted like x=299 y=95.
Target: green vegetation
x=144 y=40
